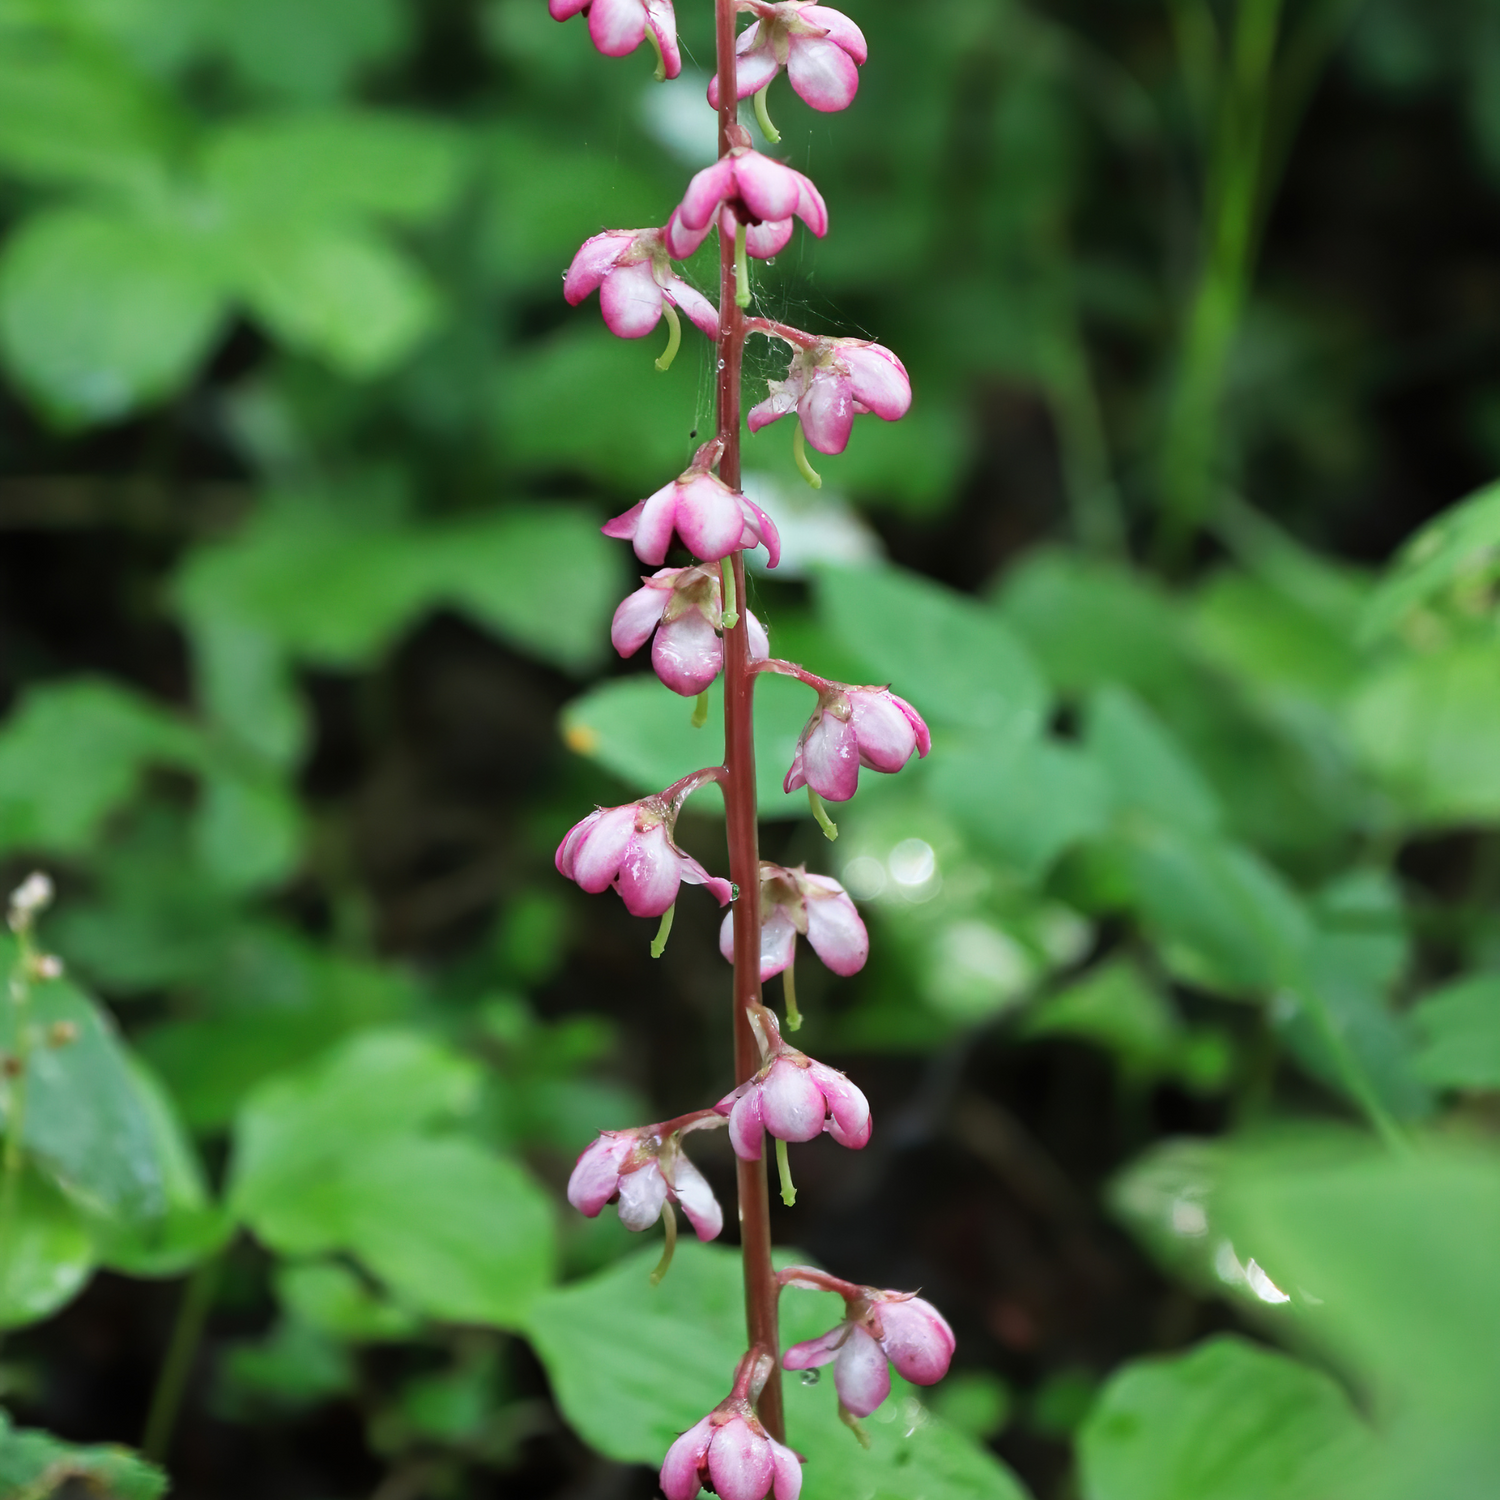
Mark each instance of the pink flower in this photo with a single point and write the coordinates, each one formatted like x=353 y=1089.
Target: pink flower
x=818 y=47
x=795 y=1099
x=633 y=275
x=881 y=1326
x=731 y=1453
x=758 y=192
x=711 y=519
x=641 y=1171
x=792 y=902
x=829 y=383
x=631 y=848
x=853 y=727
x=618 y=27
x=683 y=606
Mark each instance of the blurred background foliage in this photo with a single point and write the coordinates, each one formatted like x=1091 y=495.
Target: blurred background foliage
x=1182 y=1026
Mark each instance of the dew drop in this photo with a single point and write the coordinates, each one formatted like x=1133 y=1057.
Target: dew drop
x=721 y=364
x=770 y=262
x=810 y=1377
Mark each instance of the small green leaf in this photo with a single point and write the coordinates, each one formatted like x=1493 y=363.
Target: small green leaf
x=1459 y=1028
x=1226 y=1421
x=330 y=1297
x=36 y=1465
x=248 y=829
x=1148 y=773
x=72 y=752
x=955 y=660
x=50 y=1258
x=101 y=313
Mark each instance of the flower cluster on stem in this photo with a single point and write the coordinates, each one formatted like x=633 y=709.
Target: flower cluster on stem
x=694 y=531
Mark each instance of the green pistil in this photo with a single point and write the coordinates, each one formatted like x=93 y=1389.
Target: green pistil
x=819 y=812
x=659 y=942
x=799 y=455
x=674 y=337
x=700 y=711
x=731 y=616
x=669 y=1246
x=661 y=62
x=784 y=1167
x=741 y=269
x=789 y=994
x=767 y=129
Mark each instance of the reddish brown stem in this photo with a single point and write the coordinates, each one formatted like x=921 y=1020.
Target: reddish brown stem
x=761 y=1289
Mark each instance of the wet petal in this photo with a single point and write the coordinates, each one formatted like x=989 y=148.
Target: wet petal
x=746 y=1125
x=653 y=526
x=767 y=188
x=595 y=260
x=762 y=528
x=879 y=380
x=822 y=73
x=596 y=1177
x=726 y=936
x=917 y=1339
x=781 y=401
x=623 y=526
x=708 y=516
x=700 y=311
x=812 y=1354
x=836 y=932
x=791 y=1104
x=796 y=775
x=840 y=29
x=642 y=1193
x=827 y=412
x=778 y=943
x=918 y=725
x=886 y=738
x=739 y=1462
x=567 y=851
x=788 y=1467
x=830 y=758
x=705 y=193
x=760 y=642
x=694 y=874
x=649 y=874
x=755 y=67
x=687 y=654
x=630 y=300
x=769 y=239
x=562 y=9
x=850 y=1125
x=617 y=27
x=810 y=206
x=861 y=1375
x=637 y=616
x=596 y=859
x=663 y=23
x=680 y=1469
x=697 y=1199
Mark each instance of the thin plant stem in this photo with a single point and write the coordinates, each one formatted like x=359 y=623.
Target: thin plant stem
x=187 y=1333
x=761 y=1289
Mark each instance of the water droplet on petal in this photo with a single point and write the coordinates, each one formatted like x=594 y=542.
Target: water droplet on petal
x=810 y=1377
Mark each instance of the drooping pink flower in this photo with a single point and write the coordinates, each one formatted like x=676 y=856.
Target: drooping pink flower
x=640 y=1170
x=795 y=1099
x=618 y=27
x=711 y=519
x=817 y=907
x=820 y=48
x=633 y=275
x=732 y=1454
x=758 y=192
x=853 y=727
x=631 y=848
x=829 y=383
x=683 y=606
x=896 y=1327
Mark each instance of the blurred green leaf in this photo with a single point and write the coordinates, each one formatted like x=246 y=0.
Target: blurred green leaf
x=330 y=1297
x=1226 y=1421
x=72 y=752
x=295 y=1365
x=633 y=1365
x=36 y=1465
x=1459 y=1031
x=1167 y=1199
x=103 y=313
x=642 y=732
x=50 y=1256
x=1148 y=773
x=955 y=660
x=248 y=831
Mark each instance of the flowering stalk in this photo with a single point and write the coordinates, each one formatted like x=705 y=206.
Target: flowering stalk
x=699 y=616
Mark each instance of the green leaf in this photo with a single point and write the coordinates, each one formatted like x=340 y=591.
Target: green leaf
x=335 y=291
x=642 y=732
x=248 y=829
x=243 y=677
x=338 y=165
x=86 y=1120
x=1167 y=1199
x=1226 y=1421
x=1459 y=1031
x=633 y=1365
x=1450 y=562
x=50 y=1257
x=101 y=313
x=329 y=1296
x=1428 y=725
x=1148 y=772
x=36 y=1465
x=72 y=752
x=955 y=660
x=1029 y=801
x=296 y=1365
x=290 y=50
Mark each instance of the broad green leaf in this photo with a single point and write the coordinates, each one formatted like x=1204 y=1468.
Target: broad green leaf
x=36 y=1465
x=1459 y=1031
x=633 y=1365
x=243 y=676
x=1450 y=563
x=339 y=292
x=87 y=1121
x=72 y=752
x=295 y=1365
x=955 y=660
x=1227 y=1421
x=1167 y=1199
x=330 y=1297
x=248 y=829
x=642 y=732
x=102 y=313
x=337 y=165
x=1224 y=916
x=1029 y=801
x=290 y=50
x=1148 y=773
x=1391 y=1254
x=50 y=1257
x=1428 y=725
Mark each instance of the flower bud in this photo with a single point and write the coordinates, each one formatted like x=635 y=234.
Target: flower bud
x=618 y=27
x=729 y=1451
x=712 y=520
x=817 y=907
x=830 y=382
x=820 y=49
x=641 y=1171
x=632 y=273
x=853 y=727
x=682 y=605
x=756 y=190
